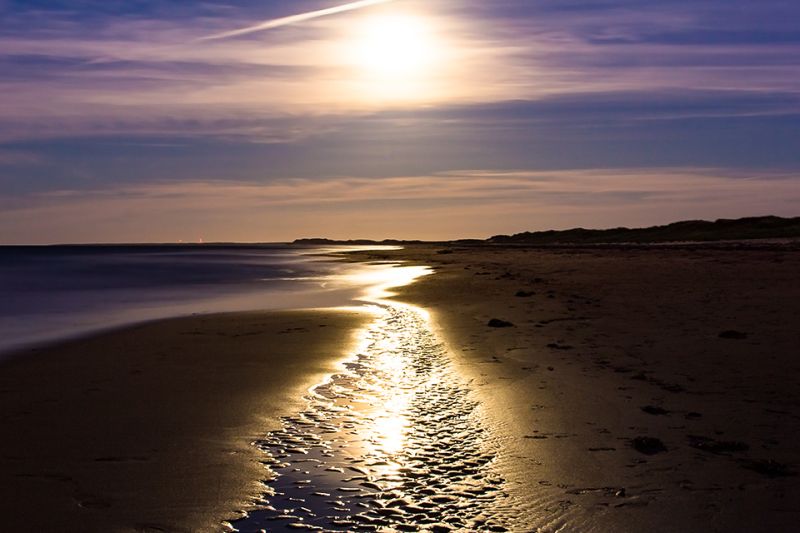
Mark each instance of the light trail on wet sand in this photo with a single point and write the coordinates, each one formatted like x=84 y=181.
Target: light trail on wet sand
x=394 y=442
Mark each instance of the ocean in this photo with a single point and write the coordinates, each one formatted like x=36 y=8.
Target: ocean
x=53 y=292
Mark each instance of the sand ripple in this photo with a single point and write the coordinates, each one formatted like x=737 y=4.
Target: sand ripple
x=393 y=443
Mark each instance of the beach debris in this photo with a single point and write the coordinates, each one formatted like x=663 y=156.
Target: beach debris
x=557 y=346
x=498 y=323
x=707 y=444
x=732 y=334
x=654 y=410
x=605 y=491
x=648 y=445
x=768 y=467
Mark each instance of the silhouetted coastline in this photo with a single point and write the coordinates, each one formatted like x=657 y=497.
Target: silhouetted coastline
x=684 y=232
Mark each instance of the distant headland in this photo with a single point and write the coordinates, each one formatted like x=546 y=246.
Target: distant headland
x=750 y=228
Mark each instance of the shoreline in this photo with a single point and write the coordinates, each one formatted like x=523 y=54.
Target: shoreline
x=148 y=427
x=51 y=296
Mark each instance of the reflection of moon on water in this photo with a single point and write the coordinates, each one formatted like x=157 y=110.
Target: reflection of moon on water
x=394 y=441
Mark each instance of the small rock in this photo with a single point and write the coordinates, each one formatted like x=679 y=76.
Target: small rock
x=654 y=410
x=648 y=445
x=497 y=323
x=524 y=294
x=556 y=346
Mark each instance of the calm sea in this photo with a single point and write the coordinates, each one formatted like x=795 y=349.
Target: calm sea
x=51 y=292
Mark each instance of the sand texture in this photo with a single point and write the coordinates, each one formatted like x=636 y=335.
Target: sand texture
x=630 y=389
x=393 y=442
x=149 y=428
x=614 y=389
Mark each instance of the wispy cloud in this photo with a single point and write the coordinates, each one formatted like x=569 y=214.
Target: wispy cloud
x=295 y=19
x=90 y=72
x=446 y=205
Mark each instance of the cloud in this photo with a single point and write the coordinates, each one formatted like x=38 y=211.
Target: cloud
x=453 y=204
x=88 y=68
x=16 y=158
x=295 y=19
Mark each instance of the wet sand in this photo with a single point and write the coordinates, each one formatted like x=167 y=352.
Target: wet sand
x=394 y=441
x=630 y=389
x=149 y=428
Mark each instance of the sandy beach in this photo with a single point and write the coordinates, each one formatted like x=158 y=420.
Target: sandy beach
x=641 y=389
x=597 y=389
x=149 y=428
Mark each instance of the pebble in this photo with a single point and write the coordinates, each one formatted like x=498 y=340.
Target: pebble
x=648 y=445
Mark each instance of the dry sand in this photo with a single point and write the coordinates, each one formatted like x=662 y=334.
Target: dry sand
x=148 y=428
x=608 y=345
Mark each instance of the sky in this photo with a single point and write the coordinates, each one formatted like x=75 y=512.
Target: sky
x=264 y=121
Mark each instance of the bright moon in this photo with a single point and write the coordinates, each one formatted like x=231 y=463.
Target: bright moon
x=394 y=46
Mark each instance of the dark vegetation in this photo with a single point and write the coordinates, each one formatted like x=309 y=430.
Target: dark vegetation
x=767 y=227
x=690 y=230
